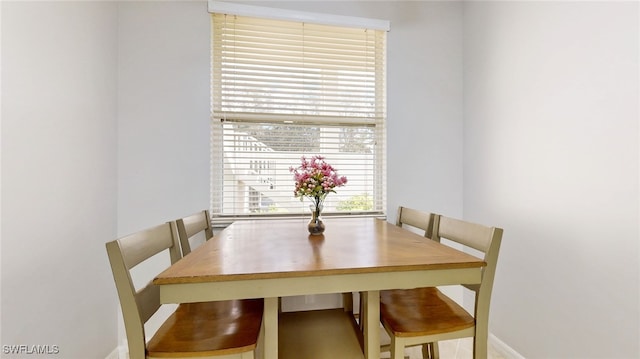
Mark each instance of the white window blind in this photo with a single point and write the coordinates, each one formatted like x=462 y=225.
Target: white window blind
x=284 y=89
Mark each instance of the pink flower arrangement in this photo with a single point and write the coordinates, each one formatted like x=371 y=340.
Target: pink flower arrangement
x=315 y=179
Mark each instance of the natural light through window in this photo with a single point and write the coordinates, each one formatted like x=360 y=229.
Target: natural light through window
x=284 y=89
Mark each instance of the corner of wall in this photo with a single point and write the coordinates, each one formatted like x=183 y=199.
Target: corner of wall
x=119 y=352
x=503 y=349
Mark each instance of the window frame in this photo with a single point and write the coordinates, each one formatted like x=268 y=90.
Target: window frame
x=217 y=147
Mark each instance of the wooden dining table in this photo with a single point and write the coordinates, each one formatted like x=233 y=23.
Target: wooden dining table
x=276 y=258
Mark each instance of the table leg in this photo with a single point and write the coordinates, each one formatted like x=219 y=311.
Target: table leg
x=271 y=308
x=371 y=317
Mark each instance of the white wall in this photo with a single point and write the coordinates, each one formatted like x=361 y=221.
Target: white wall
x=0 y=169
x=551 y=155
x=58 y=176
x=154 y=91
x=163 y=112
x=425 y=107
x=163 y=117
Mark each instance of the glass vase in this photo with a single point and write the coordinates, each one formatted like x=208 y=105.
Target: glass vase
x=316 y=226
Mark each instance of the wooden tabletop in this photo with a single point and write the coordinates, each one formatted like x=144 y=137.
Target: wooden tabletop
x=263 y=249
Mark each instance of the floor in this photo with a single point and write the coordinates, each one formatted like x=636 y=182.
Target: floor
x=451 y=349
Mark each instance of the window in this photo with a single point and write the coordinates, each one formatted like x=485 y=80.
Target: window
x=283 y=89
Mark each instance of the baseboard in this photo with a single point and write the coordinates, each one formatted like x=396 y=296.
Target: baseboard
x=503 y=348
x=115 y=354
x=118 y=353
x=500 y=346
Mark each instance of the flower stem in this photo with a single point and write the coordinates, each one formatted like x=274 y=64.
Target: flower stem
x=318 y=203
